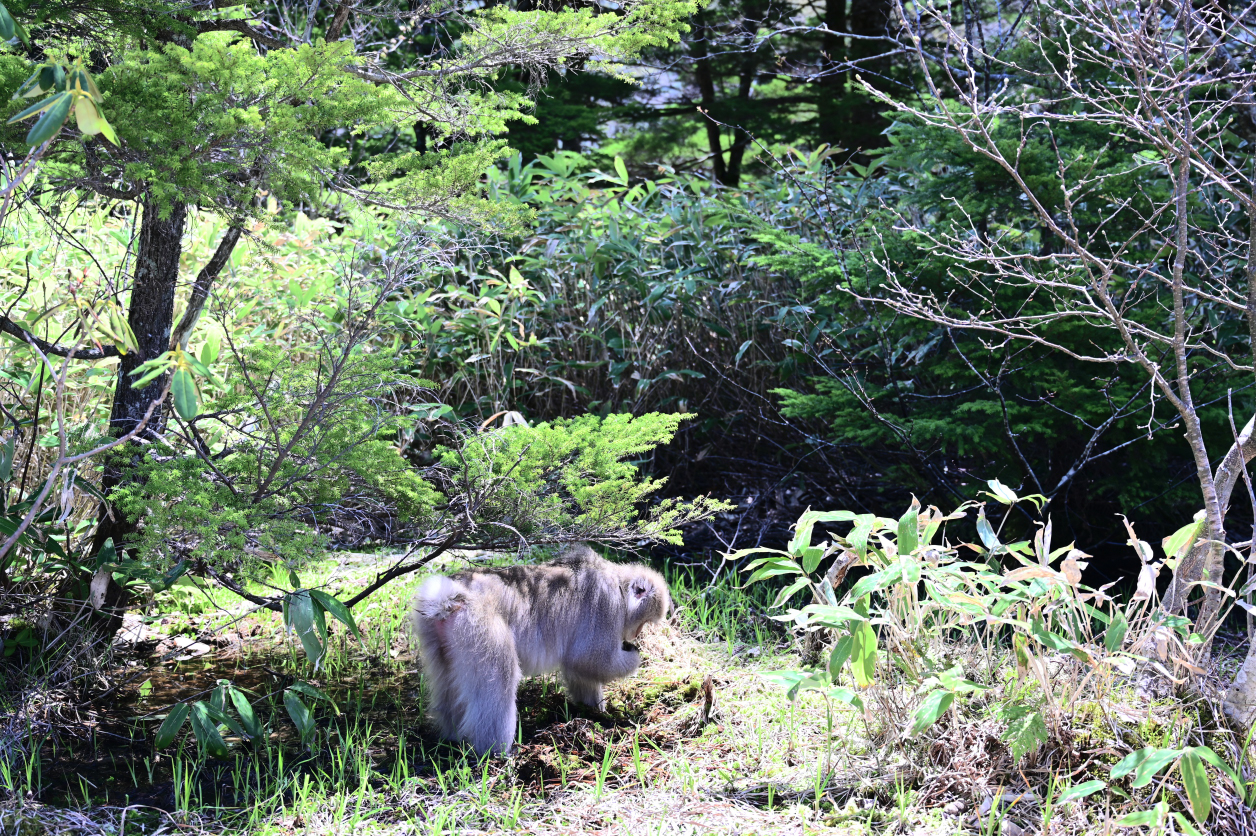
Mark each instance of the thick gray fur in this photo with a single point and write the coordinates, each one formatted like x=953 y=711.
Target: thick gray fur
x=482 y=630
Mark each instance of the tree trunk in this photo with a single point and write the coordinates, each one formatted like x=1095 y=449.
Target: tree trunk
x=869 y=19
x=150 y=316
x=706 y=89
x=830 y=125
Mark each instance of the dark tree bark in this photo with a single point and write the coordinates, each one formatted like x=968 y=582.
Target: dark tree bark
x=833 y=85
x=705 y=76
x=150 y=316
x=869 y=19
x=151 y=312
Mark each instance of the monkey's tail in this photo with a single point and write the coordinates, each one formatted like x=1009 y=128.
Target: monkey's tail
x=439 y=597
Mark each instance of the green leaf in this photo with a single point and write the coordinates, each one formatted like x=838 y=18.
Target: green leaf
x=8 y=26
x=847 y=696
x=299 y=712
x=338 y=611
x=1143 y=818
x=1001 y=492
x=6 y=457
x=209 y=351
x=1195 y=780
x=150 y=370
x=811 y=557
x=206 y=730
x=1187 y=828
x=909 y=529
x=863 y=654
x=248 y=717
x=988 y=537
x=170 y=726
x=788 y=592
x=183 y=393
x=1114 y=636
x=877 y=581
x=1177 y=544
x=311 y=692
x=1130 y=762
x=930 y=709
x=1212 y=758
x=37 y=107
x=1145 y=764
x=300 y=618
x=621 y=169
x=220 y=717
x=50 y=123
x=841 y=652
x=1026 y=730
x=858 y=537
x=953 y=680
x=1080 y=791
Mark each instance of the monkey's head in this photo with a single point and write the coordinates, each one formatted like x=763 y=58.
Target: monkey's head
x=647 y=597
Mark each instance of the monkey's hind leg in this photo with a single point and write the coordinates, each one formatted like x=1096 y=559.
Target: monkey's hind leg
x=487 y=675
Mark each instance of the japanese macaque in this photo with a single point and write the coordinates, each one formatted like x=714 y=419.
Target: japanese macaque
x=482 y=630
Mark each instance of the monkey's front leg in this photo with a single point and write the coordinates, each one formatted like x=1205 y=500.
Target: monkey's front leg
x=586 y=675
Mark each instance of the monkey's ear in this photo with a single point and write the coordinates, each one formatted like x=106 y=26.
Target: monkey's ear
x=640 y=588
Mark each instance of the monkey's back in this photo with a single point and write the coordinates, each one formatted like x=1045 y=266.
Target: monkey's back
x=546 y=606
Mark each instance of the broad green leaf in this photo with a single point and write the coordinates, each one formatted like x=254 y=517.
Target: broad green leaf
x=209 y=351
x=988 y=537
x=299 y=712
x=1214 y=759
x=1001 y=492
x=300 y=618
x=788 y=592
x=909 y=529
x=877 y=581
x=621 y=169
x=1177 y=544
x=930 y=709
x=183 y=393
x=858 y=537
x=806 y=524
x=8 y=26
x=1114 y=636
x=170 y=726
x=150 y=370
x=220 y=717
x=38 y=107
x=50 y=123
x=1187 y=828
x=773 y=571
x=841 y=652
x=1156 y=815
x=218 y=697
x=1080 y=791
x=338 y=610
x=811 y=557
x=206 y=730
x=312 y=692
x=1195 y=780
x=1130 y=762
x=847 y=696
x=248 y=717
x=863 y=654
x=953 y=679
x=6 y=457
x=1153 y=764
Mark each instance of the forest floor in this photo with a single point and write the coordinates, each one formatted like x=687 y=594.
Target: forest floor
x=698 y=741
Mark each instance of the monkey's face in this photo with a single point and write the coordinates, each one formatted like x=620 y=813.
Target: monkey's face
x=648 y=601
